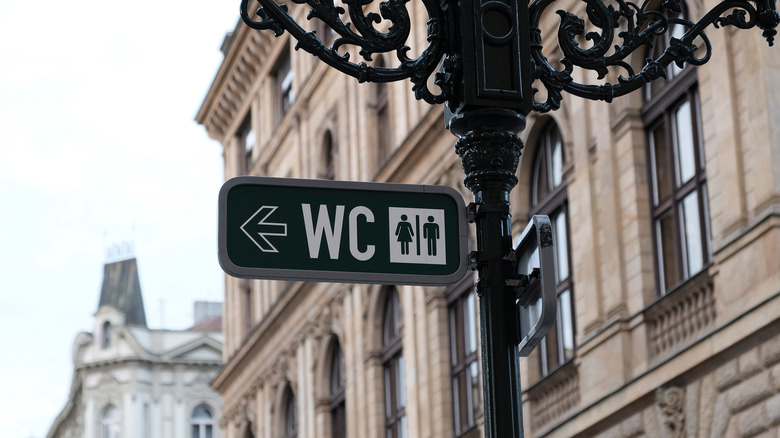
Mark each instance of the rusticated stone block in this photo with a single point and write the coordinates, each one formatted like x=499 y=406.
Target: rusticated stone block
x=753 y=421
x=770 y=351
x=727 y=375
x=750 y=363
x=750 y=392
x=775 y=376
x=773 y=410
x=632 y=426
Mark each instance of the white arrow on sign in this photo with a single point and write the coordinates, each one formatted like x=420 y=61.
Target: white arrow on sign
x=275 y=229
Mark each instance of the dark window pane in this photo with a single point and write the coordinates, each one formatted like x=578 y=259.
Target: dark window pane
x=662 y=167
x=552 y=358
x=667 y=250
x=338 y=376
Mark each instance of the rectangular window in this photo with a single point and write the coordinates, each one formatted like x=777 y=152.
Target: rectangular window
x=466 y=392
x=247 y=140
x=285 y=94
x=679 y=189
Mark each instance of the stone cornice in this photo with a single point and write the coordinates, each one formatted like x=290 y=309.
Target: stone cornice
x=231 y=88
x=146 y=361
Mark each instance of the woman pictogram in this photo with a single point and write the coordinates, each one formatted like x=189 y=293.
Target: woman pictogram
x=404 y=233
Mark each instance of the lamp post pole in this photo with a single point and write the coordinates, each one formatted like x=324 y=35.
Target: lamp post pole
x=488 y=53
x=490 y=150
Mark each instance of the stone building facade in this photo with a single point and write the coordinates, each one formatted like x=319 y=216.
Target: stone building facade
x=130 y=381
x=666 y=212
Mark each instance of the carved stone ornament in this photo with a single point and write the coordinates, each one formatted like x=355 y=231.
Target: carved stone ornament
x=671 y=401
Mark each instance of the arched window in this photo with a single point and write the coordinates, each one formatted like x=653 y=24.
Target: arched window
x=328 y=162
x=393 y=367
x=290 y=415
x=548 y=197
x=338 y=386
x=678 y=180
x=660 y=44
x=202 y=422
x=110 y=423
x=107 y=334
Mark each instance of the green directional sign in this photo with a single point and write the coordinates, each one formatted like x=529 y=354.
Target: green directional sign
x=295 y=229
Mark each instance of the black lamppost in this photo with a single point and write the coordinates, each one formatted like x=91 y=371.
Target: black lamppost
x=490 y=52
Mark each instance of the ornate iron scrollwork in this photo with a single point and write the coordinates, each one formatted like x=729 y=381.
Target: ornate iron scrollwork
x=360 y=31
x=623 y=28
x=637 y=27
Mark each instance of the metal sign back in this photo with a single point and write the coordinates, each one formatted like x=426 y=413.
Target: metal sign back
x=535 y=259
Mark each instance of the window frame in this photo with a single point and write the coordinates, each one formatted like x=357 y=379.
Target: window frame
x=107 y=335
x=393 y=366
x=462 y=361
x=111 y=422
x=338 y=390
x=290 y=415
x=553 y=203
x=659 y=110
x=202 y=423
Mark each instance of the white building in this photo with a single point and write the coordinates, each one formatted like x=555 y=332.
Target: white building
x=133 y=382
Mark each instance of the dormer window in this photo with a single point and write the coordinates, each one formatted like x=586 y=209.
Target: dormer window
x=107 y=333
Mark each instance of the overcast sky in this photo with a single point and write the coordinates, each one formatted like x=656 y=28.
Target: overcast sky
x=98 y=146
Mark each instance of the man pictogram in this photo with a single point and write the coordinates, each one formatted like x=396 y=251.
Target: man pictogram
x=431 y=232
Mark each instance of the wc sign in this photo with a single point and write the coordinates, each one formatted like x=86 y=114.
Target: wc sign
x=316 y=230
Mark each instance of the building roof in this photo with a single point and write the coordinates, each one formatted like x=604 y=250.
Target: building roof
x=122 y=290
x=213 y=324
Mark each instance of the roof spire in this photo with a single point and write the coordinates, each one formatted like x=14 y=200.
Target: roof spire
x=122 y=290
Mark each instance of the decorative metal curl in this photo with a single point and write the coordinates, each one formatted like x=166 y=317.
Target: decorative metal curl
x=642 y=26
x=636 y=28
x=364 y=35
